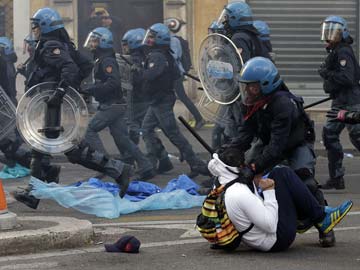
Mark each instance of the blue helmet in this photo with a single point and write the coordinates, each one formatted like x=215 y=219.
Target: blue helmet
x=157 y=34
x=47 y=19
x=133 y=38
x=100 y=37
x=236 y=14
x=258 y=70
x=214 y=27
x=6 y=46
x=263 y=29
x=332 y=26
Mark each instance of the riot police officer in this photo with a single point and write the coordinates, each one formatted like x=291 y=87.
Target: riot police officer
x=112 y=105
x=136 y=98
x=264 y=36
x=8 y=58
x=274 y=115
x=159 y=74
x=340 y=73
x=236 y=22
x=56 y=59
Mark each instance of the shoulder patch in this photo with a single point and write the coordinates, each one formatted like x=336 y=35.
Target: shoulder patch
x=109 y=69
x=56 y=51
x=343 y=62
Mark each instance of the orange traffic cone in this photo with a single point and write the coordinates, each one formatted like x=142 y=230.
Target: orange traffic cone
x=3 y=204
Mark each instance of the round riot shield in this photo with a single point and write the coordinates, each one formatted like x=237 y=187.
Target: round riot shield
x=30 y=119
x=7 y=115
x=219 y=64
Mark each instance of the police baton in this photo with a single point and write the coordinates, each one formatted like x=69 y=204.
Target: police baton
x=196 y=135
x=192 y=77
x=317 y=103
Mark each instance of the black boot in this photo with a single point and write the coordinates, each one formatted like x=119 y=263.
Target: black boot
x=24 y=197
x=198 y=169
x=165 y=165
x=334 y=183
x=52 y=174
x=147 y=175
x=124 y=179
x=327 y=239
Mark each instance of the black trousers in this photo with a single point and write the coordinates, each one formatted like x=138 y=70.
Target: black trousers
x=294 y=200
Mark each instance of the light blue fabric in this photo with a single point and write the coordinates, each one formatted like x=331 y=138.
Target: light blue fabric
x=90 y=199
x=17 y=171
x=176 y=52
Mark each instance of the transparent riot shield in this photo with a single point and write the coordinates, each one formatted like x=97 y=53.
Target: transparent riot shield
x=7 y=115
x=30 y=115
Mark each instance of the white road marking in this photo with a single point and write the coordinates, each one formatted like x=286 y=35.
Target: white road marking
x=40 y=265
x=101 y=248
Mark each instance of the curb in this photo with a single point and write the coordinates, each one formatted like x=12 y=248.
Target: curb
x=66 y=233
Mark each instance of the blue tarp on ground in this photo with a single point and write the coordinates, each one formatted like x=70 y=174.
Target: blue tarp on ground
x=15 y=172
x=97 y=198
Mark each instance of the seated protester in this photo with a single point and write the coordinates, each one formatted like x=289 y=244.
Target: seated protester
x=276 y=117
x=273 y=205
x=347 y=117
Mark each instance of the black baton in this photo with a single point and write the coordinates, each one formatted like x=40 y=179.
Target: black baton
x=317 y=103
x=196 y=135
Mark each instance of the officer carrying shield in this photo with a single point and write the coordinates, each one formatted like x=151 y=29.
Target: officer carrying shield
x=274 y=115
x=341 y=74
x=112 y=105
x=159 y=75
x=54 y=59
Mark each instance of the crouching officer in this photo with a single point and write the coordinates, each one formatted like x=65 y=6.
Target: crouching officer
x=112 y=105
x=274 y=115
x=56 y=59
x=341 y=74
x=159 y=74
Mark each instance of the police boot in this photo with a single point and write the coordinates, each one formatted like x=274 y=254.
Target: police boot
x=52 y=174
x=334 y=183
x=327 y=239
x=124 y=179
x=199 y=168
x=24 y=197
x=148 y=174
x=165 y=165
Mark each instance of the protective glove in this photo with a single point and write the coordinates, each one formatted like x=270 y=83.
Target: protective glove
x=56 y=97
x=339 y=115
x=85 y=91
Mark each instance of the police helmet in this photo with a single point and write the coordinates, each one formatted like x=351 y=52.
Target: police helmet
x=260 y=71
x=334 y=28
x=157 y=34
x=132 y=39
x=100 y=37
x=6 y=46
x=235 y=15
x=47 y=19
x=263 y=30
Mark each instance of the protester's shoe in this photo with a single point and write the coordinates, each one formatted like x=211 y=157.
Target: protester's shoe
x=333 y=216
x=147 y=175
x=327 y=239
x=24 y=197
x=52 y=174
x=199 y=124
x=304 y=225
x=334 y=183
x=165 y=165
x=124 y=179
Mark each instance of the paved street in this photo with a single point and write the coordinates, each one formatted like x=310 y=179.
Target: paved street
x=169 y=240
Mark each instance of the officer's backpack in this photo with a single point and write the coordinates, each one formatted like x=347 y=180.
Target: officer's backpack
x=214 y=223
x=185 y=56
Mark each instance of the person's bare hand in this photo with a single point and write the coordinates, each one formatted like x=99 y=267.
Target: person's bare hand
x=266 y=184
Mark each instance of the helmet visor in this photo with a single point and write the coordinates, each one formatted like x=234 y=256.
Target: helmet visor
x=224 y=17
x=250 y=93
x=331 y=31
x=149 y=38
x=92 y=41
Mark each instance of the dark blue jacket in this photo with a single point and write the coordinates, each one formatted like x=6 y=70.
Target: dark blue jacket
x=107 y=88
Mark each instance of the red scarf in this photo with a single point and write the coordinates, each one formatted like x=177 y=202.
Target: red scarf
x=254 y=108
